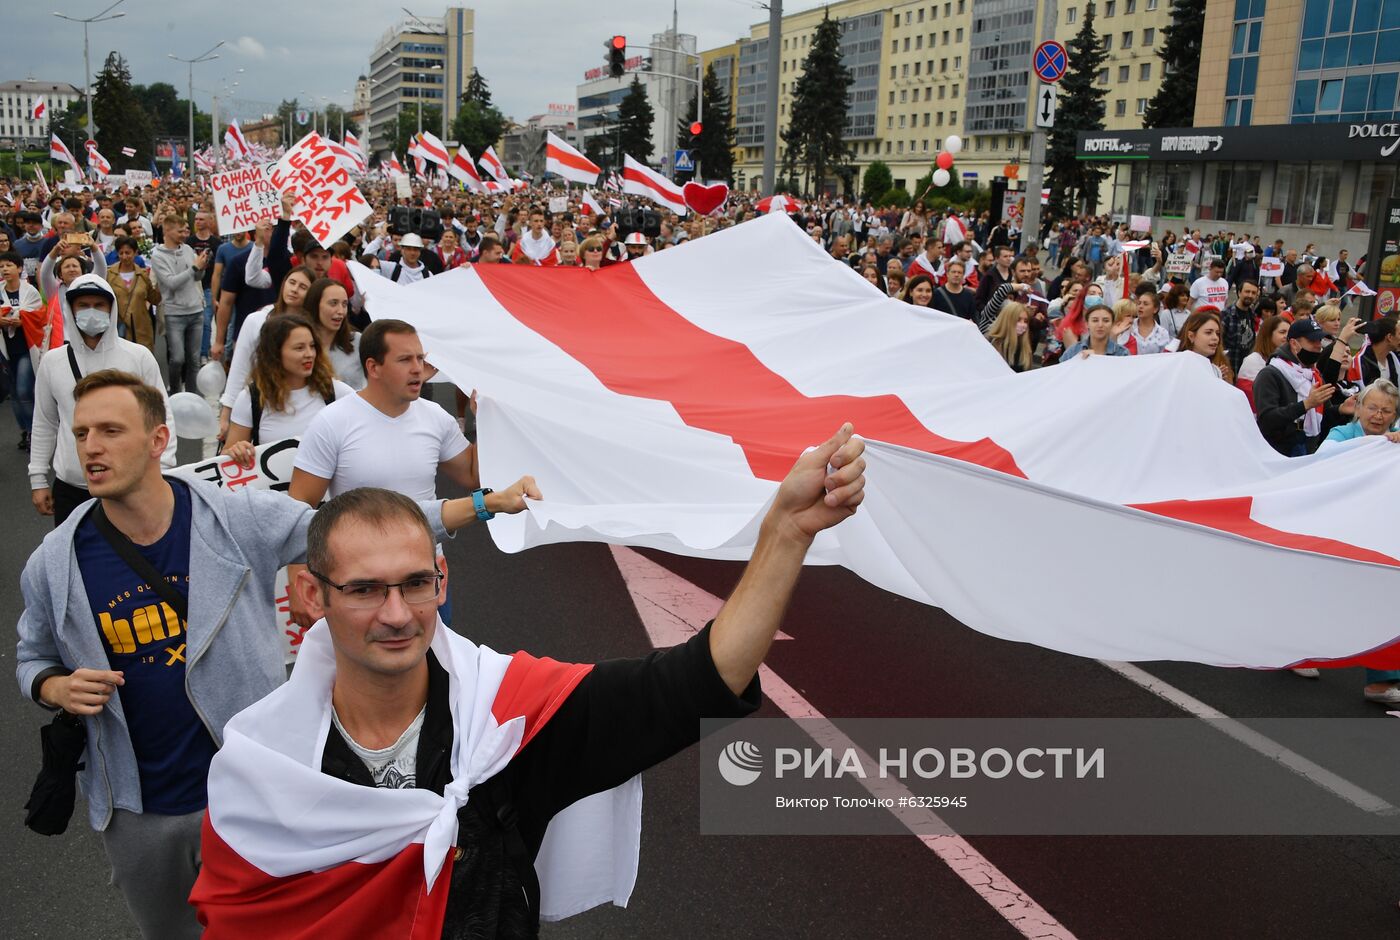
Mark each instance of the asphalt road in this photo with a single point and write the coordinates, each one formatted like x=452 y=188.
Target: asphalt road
x=855 y=652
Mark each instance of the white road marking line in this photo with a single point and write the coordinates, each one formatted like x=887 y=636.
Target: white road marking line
x=672 y=609
x=1254 y=740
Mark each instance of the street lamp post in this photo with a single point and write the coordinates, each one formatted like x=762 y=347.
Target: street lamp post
x=205 y=57
x=87 y=64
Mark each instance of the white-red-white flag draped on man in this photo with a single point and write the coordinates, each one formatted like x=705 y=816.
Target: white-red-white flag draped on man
x=41 y=108
x=492 y=164
x=381 y=856
x=58 y=150
x=567 y=162
x=611 y=402
x=641 y=180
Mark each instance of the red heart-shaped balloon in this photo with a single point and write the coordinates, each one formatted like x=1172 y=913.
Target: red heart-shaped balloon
x=704 y=199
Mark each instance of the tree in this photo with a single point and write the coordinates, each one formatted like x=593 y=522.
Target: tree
x=478 y=126
x=877 y=181
x=599 y=149
x=714 y=147
x=170 y=114
x=335 y=113
x=1081 y=108
x=407 y=127
x=636 y=116
x=117 y=112
x=477 y=89
x=817 y=127
x=70 y=124
x=1174 y=104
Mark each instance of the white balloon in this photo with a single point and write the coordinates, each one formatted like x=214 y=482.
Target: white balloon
x=210 y=380
x=194 y=418
x=940 y=177
x=952 y=144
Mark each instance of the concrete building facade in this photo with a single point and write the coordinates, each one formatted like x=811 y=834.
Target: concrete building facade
x=419 y=60
x=17 y=101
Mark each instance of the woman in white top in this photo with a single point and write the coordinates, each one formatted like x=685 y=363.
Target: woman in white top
x=291 y=382
x=289 y=300
x=1114 y=280
x=328 y=309
x=1145 y=335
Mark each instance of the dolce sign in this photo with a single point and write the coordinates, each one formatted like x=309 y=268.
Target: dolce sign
x=1377 y=130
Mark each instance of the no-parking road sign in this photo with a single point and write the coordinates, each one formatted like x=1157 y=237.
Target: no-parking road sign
x=1050 y=61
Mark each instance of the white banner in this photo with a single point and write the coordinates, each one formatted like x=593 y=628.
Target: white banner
x=245 y=197
x=271 y=471
x=328 y=201
x=138 y=177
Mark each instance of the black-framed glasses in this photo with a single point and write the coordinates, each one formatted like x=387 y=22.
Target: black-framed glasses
x=367 y=595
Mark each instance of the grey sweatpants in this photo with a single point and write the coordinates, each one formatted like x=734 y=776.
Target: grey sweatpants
x=155 y=860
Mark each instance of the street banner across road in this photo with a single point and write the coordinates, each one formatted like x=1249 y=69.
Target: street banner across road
x=662 y=403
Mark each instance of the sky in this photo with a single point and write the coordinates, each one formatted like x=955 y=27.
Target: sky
x=532 y=52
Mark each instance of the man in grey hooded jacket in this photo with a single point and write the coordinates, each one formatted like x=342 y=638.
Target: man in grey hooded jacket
x=180 y=274
x=155 y=689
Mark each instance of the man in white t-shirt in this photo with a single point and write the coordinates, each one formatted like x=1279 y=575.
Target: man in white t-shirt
x=1211 y=290
x=386 y=435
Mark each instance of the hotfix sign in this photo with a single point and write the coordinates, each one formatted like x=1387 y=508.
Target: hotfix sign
x=1106 y=145
x=1196 y=143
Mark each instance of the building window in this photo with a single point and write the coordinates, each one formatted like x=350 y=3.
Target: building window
x=941 y=90
x=1159 y=189
x=957 y=62
x=1108 y=42
x=1141 y=107
x=1236 y=191
x=1304 y=194
x=1127 y=42
x=925 y=145
x=1243 y=70
x=1145 y=72
x=1151 y=5
x=1110 y=8
x=1129 y=7
x=889 y=122
x=952 y=117
x=928 y=93
x=901 y=121
x=1071 y=15
x=905 y=72
x=1149 y=36
x=894 y=46
x=1102 y=77
x=1122 y=73
x=891 y=97
x=919 y=41
x=921 y=14
x=900 y=148
x=906 y=43
x=1120 y=107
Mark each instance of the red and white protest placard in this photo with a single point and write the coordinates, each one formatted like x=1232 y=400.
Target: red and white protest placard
x=245 y=197
x=272 y=470
x=1271 y=267
x=328 y=201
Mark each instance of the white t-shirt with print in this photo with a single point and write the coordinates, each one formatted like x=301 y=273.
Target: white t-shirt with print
x=1205 y=291
x=394 y=767
x=354 y=444
x=303 y=404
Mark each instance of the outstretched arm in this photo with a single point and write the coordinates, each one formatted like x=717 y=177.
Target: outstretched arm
x=823 y=488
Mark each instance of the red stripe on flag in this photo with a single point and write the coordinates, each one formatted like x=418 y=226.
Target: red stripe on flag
x=235 y=900
x=534 y=688
x=571 y=160
x=636 y=345
x=662 y=195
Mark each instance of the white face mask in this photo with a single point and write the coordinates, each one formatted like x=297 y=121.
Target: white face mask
x=92 y=321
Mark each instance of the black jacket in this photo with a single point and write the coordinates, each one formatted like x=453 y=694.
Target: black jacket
x=624 y=716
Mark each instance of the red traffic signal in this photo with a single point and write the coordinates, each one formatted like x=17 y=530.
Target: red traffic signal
x=695 y=128
x=619 y=42
x=617 y=56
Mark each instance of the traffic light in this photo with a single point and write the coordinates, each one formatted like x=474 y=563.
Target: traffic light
x=617 y=56
x=695 y=128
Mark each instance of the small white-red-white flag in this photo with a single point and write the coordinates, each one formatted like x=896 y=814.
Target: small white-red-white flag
x=96 y=161
x=432 y=149
x=567 y=162
x=42 y=186
x=641 y=180
x=463 y=170
x=41 y=108
x=128 y=151
x=492 y=164
x=59 y=151
x=592 y=204
x=236 y=143
x=1361 y=289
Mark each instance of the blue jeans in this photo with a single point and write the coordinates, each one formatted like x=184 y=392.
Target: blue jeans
x=182 y=332
x=21 y=369
x=208 y=323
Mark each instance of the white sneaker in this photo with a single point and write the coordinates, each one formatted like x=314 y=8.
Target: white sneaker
x=1307 y=672
x=1390 y=696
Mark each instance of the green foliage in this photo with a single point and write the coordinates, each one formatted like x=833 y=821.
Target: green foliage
x=600 y=149
x=1081 y=108
x=335 y=113
x=477 y=89
x=817 y=123
x=895 y=197
x=477 y=125
x=876 y=182
x=118 y=114
x=713 y=149
x=636 y=116
x=1174 y=104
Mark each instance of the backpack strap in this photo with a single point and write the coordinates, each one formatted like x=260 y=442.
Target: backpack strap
x=256 y=401
x=138 y=563
x=73 y=363
x=398 y=267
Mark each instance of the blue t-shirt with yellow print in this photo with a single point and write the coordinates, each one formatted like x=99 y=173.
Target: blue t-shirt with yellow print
x=145 y=640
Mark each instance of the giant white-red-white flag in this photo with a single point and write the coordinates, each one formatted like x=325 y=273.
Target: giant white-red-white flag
x=58 y=150
x=492 y=164
x=289 y=851
x=611 y=402
x=641 y=180
x=567 y=162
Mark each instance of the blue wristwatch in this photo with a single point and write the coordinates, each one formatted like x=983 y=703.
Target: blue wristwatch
x=479 y=501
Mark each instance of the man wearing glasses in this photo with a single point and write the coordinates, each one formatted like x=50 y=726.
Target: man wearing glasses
x=401 y=759
x=147 y=613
